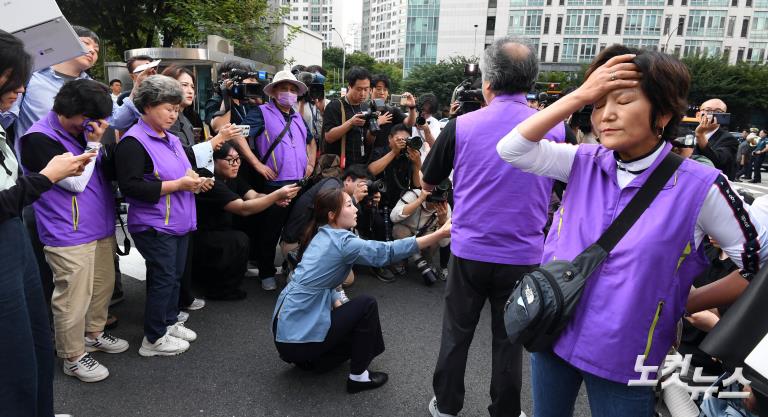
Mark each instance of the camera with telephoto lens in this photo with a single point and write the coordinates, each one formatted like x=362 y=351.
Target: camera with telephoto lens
x=239 y=89
x=468 y=94
x=315 y=83
x=378 y=186
x=427 y=274
x=371 y=116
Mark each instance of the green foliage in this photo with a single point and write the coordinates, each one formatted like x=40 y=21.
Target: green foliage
x=439 y=79
x=130 y=24
x=333 y=61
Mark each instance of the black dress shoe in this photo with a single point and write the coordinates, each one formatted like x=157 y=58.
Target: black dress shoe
x=377 y=379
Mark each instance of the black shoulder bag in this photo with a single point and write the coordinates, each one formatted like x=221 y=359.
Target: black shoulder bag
x=543 y=301
x=273 y=145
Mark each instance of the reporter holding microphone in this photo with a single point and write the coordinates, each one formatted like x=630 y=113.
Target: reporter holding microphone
x=154 y=173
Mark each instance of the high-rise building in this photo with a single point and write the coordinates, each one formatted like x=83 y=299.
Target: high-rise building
x=316 y=15
x=568 y=33
x=354 y=36
x=384 y=29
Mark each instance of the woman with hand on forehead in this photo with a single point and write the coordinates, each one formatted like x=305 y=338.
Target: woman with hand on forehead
x=631 y=304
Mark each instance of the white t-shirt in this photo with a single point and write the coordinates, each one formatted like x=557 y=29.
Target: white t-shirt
x=434 y=127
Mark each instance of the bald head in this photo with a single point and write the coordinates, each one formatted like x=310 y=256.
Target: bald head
x=714 y=105
x=509 y=66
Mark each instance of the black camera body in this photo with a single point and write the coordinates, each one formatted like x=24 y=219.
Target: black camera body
x=468 y=94
x=415 y=143
x=378 y=186
x=371 y=116
x=440 y=193
x=239 y=89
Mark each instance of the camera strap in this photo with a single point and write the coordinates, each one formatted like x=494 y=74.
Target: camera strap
x=343 y=160
x=277 y=141
x=126 y=242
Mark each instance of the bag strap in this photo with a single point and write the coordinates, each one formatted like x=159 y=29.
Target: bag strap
x=277 y=141
x=343 y=159
x=126 y=242
x=639 y=202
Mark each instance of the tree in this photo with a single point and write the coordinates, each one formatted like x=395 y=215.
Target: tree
x=129 y=24
x=439 y=79
x=333 y=62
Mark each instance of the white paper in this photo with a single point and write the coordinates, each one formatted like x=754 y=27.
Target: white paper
x=758 y=358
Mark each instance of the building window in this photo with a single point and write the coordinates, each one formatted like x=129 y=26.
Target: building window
x=607 y=2
x=645 y=3
x=602 y=46
x=546 y=25
x=702 y=48
x=670 y=2
x=491 y=4
x=731 y=26
x=756 y=52
x=562 y=2
x=533 y=22
x=579 y=49
x=556 y=53
x=667 y=24
x=680 y=26
x=760 y=25
x=559 y=26
x=543 y=56
x=643 y=22
x=606 y=22
x=582 y=22
x=490 y=25
x=749 y=3
x=677 y=50
x=619 y=22
x=585 y=2
x=727 y=53
x=734 y=3
x=516 y=22
x=740 y=55
x=549 y=2
x=744 y=27
x=683 y=2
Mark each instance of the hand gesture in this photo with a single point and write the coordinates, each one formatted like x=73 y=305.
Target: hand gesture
x=99 y=127
x=414 y=156
x=385 y=119
x=707 y=123
x=618 y=72
x=229 y=131
x=288 y=192
x=187 y=183
x=396 y=144
x=361 y=191
x=423 y=195
x=445 y=229
x=357 y=120
x=309 y=170
x=141 y=77
x=265 y=171
x=66 y=165
x=442 y=212
x=205 y=185
x=410 y=100
x=454 y=109
x=424 y=128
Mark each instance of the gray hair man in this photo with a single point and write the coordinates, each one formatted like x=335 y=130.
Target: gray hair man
x=498 y=222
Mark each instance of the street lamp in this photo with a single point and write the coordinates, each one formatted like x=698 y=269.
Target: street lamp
x=474 y=48
x=343 y=55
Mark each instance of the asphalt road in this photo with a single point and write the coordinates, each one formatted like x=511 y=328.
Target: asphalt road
x=233 y=368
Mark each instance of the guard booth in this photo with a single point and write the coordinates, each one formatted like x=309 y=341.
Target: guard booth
x=203 y=62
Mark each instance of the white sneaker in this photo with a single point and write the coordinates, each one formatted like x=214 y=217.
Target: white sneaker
x=182 y=317
x=178 y=330
x=434 y=411
x=106 y=343
x=269 y=284
x=197 y=304
x=86 y=369
x=164 y=346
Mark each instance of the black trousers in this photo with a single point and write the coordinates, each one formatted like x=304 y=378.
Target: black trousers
x=355 y=335
x=757 y=166
x=185 y=290
x=264 y=231
x=46 y=276
x=219 y=261
x=470 y=284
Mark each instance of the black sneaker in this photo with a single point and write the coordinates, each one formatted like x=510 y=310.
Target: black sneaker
x=383 y=274
x=377 y=379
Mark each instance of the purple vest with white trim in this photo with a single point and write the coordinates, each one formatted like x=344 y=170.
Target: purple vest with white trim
x=289 y=159
x=66 y=218
x=631 y=304
x=173 y=213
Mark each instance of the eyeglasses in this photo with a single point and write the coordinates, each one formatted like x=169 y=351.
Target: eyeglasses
x=234 y=161
x=708 y=110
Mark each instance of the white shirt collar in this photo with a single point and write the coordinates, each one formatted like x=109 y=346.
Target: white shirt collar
x=638 y=165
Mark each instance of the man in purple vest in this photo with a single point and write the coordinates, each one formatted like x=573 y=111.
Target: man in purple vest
x=277 y=122
x=76 y=223
x=498 y=227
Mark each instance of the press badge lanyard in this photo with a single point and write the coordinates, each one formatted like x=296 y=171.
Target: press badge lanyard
x=362 y=135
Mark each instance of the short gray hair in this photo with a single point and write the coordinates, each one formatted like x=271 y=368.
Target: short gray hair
x=509 y=71
x=156 y=90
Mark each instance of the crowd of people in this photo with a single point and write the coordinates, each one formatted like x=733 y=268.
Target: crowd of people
x=367 y=180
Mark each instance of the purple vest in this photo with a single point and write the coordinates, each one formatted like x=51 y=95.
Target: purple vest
x=631 y=304
x=173 y=213
x=500 y=211
x=66 y=218
x=289 y=159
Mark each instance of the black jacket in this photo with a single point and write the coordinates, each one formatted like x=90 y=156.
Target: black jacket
x=721 y=150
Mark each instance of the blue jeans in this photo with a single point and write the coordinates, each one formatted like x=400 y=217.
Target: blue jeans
x=165 y=256
x=26 y=352
x=556 y=385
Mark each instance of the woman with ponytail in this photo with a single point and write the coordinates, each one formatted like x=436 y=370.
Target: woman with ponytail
x=312 y=328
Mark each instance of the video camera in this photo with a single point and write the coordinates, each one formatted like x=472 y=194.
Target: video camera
x=315 y=83
x=467 y=94
x=239 y=89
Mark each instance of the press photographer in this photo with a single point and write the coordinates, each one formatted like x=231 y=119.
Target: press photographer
x=427 y=126
x=237 y=90
x=469 y=94
x=389 y=112
x=416 y=214
x=312 y=104
x=346 y=121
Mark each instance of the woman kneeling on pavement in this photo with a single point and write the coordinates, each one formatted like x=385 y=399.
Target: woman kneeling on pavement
x=313 y=328
x=631 y=304
x=154 y=173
